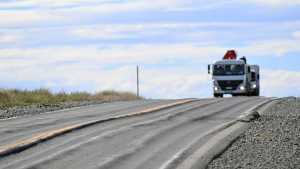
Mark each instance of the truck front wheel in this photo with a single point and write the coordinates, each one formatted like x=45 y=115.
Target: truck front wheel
x=257 y=92
x=218 y=95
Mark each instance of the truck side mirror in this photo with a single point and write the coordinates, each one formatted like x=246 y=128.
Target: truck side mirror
x=208 y=68
x=249 y=69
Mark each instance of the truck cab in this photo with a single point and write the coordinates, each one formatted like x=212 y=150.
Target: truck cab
x=233 y=76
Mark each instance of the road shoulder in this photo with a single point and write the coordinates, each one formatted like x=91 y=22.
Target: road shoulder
x=272 y=141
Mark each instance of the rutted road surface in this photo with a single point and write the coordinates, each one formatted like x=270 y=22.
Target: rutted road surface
x=153 y=134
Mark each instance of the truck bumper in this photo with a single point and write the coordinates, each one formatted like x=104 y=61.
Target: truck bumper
x=238 y=92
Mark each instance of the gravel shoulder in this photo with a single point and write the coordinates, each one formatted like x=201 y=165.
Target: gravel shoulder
x=42 y=108
x=272 y=141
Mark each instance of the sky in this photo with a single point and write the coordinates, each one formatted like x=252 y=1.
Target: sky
x=95 y=45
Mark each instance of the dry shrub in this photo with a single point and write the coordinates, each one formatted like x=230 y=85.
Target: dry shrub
x=14 y=97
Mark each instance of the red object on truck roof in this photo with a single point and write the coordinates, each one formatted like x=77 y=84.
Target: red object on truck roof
x=230 y=55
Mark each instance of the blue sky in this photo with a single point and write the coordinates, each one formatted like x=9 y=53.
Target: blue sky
x=93 y=45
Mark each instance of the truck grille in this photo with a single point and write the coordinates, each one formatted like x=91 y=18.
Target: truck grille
x=229 y=84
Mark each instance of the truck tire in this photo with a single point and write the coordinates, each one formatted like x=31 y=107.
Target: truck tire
x=249 y=94
x=218 y=95
x=257 y=92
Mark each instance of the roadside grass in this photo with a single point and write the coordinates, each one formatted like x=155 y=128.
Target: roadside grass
x=15 y=97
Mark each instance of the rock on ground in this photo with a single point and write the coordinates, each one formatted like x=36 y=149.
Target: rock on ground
x=272 y=141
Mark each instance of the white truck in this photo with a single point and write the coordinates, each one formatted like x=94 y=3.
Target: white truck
x=234 y=76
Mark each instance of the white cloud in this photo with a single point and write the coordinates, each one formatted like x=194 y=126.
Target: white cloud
x=100 y=5
x=280 y=82
x=140 y=53
x=276 y=47
x=109 y=6
x=117 y=31
x=127 y=31
x=61 y=11
x=296 y=34
x=98 y=33
x=88 y=66
x=143 y=53
x=107 y=30
x=9 y=38
x=44 y=3
x=177 y=82
x=49 y=11
x=274 y=3
x=28 y=17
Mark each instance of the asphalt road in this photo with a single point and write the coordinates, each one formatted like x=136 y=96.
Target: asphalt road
x=147 y=141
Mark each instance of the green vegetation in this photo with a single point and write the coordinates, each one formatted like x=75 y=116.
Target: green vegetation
x=14 y=97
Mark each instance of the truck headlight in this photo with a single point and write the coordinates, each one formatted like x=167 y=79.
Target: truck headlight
x=216 y=88
x=242 y=88
x=254 y=86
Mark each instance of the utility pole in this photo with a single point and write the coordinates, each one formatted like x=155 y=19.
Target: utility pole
x=137 y=82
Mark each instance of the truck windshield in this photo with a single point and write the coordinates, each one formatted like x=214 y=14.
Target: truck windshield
x=229 y=70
